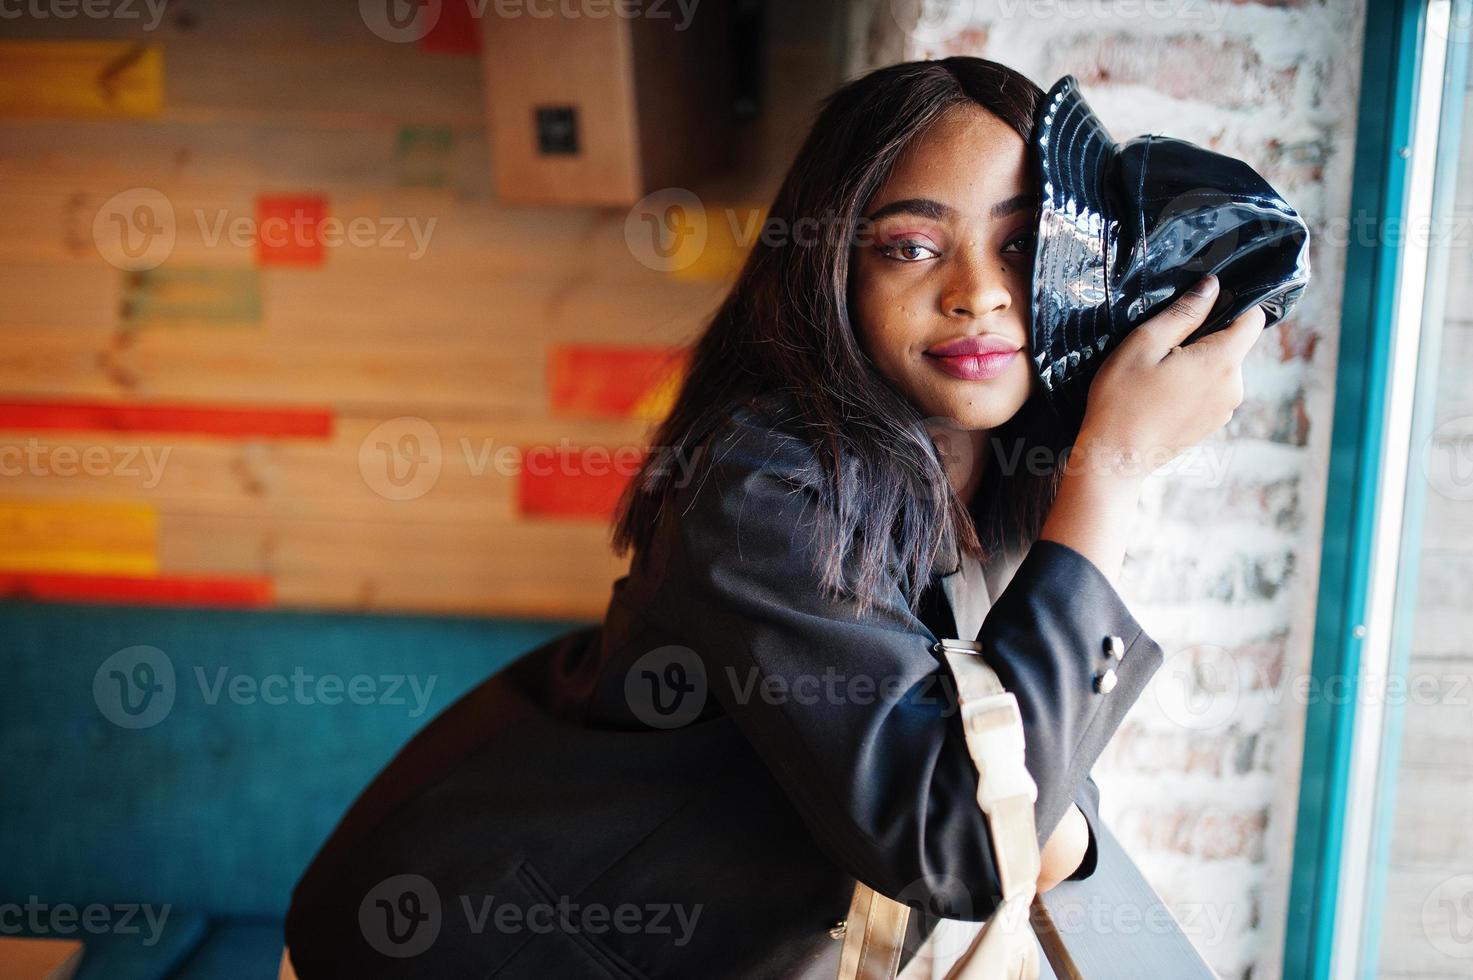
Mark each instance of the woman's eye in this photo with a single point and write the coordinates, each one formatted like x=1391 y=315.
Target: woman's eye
x=907 y=250
x=1021 y=244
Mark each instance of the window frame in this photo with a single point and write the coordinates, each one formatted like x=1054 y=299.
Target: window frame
x=1412 y=80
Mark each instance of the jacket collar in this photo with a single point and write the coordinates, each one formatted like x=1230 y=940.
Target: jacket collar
x=958 y=590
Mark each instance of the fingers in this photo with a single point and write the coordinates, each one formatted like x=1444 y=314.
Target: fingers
x=1174 y=324
x=1235 y=340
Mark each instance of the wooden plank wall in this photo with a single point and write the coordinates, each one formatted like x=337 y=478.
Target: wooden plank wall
x=426 y=355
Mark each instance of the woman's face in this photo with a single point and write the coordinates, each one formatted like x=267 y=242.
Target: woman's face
x=941 y=275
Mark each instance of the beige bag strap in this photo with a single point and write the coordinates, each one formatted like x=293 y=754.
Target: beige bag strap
x=875 y=930
x=1005 y=789
x=873 y=936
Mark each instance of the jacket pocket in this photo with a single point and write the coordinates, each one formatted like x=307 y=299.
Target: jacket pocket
x=564 y=949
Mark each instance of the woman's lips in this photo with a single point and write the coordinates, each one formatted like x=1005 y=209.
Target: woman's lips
x=975 y=367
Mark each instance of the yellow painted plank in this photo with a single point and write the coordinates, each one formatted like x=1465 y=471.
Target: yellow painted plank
x=657 y=403
x=554 y=569
x=709 y=242
x=80 y=78
x=97 y=537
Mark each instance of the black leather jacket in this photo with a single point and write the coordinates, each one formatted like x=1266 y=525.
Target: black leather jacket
x=691 y=789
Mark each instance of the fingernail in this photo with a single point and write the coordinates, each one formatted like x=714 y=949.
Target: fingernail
x=1204 y=287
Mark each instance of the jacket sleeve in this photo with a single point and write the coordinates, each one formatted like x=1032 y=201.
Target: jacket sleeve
x=850 y=711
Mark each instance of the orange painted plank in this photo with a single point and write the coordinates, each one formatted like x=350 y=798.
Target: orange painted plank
x=289 y=229
x=614 y=382
x=86 y=537
x=181 y=417
x=581 y=482
x=25 y=958
x=166 y=590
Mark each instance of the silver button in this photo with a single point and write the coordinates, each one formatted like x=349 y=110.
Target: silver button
x=1105 y=683
x=1115 y=647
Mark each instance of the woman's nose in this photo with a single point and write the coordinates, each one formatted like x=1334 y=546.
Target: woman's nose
x=976 y=288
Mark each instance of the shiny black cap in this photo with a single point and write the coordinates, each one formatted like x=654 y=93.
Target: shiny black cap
x=1124 y=228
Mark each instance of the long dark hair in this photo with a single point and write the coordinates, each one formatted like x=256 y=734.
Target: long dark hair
x=785 y=328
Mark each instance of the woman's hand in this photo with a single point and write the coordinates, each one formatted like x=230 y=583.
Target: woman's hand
x=1150 y=400
x=1153 y=399
x=1065 y=849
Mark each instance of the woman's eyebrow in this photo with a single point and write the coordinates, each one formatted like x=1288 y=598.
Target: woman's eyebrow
x=926 y=207
x=1015 y=203
x=923 y=207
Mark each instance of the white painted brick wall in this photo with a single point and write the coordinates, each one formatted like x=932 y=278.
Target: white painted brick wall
x=1202 y=781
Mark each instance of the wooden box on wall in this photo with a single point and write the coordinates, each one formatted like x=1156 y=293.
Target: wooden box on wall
x=601 y=110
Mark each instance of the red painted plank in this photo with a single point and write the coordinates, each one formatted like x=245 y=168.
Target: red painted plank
x=457 y=30
x=170 y=590
x=581 y=482
x=212 y=420
x=613 y=382
x=289 y=229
